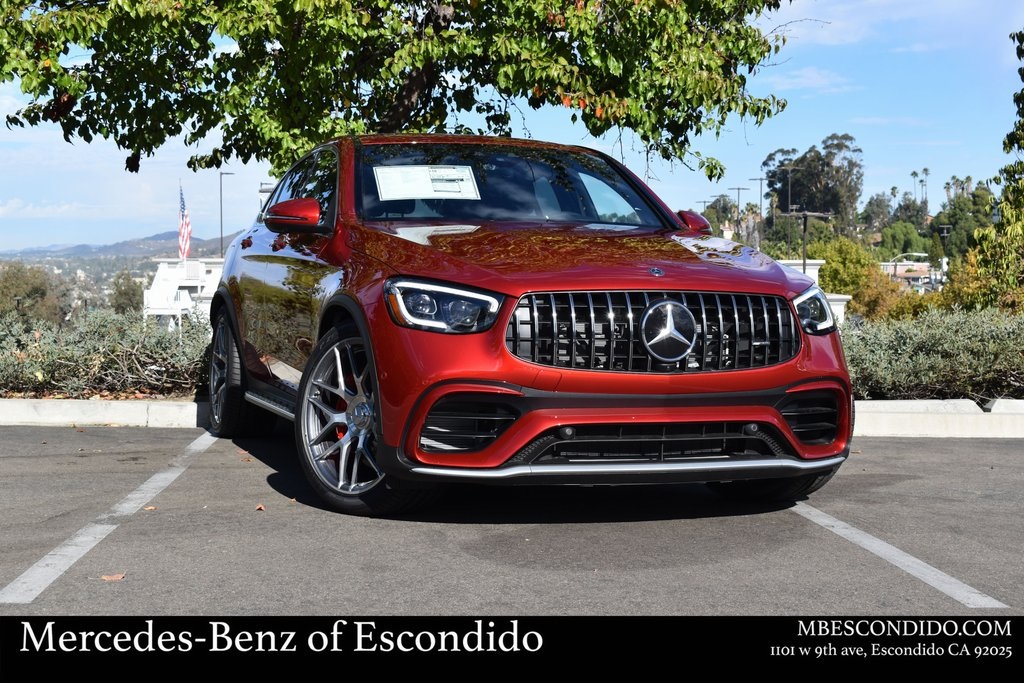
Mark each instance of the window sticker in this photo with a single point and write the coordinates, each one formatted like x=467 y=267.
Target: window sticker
x=425 y=182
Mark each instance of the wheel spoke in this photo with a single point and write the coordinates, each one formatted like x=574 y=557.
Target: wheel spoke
x=367 y=456
x=346 y=446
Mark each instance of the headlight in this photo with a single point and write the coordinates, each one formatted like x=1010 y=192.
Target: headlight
x=813 y=310
x=439 y=308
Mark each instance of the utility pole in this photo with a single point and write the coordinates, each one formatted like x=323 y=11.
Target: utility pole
x=806 y=215
x=738 y=190
x=760 y=206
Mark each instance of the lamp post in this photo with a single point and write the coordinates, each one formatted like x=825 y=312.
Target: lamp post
x=222 y=174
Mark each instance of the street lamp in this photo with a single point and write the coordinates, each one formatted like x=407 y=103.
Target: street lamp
x=222 y=174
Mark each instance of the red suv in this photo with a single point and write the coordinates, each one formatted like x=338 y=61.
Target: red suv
x=432 y=309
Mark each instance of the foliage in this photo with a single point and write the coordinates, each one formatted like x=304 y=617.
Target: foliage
x=999 y=256
x=902 y=237
x=961 y=216
x=935 y=252
x=847 y=265
x=932 y=357
x=126 y=293
x=909 y=210
x=270 y=79
x=877 y=211
x=32 y=292
x=821 y=180
x=101 y=352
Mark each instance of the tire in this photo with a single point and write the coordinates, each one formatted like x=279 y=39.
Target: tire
x=337 y=428
x=230 y=414
x=768 y=490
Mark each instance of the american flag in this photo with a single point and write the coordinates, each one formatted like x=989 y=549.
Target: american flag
x=184 y=228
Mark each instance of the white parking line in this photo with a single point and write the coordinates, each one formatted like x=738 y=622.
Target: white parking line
x=954 y=588
x=39 y=576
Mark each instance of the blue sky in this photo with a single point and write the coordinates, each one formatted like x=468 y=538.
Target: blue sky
x=917 y=83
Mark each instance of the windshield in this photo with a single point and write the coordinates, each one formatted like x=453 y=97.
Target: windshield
x=467 y=182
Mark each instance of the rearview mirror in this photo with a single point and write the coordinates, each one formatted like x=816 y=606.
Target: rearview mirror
x=295 y=215
x=696 y=222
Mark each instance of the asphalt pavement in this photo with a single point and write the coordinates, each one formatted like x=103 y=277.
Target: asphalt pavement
x=133 y=521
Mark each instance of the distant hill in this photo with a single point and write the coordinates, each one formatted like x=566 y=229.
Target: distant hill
x=162 y=245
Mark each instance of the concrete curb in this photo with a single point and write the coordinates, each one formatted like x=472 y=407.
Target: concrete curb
x=57 y=412
x=937 y=419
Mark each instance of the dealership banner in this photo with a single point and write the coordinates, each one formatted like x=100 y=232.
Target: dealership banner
x=988 y=643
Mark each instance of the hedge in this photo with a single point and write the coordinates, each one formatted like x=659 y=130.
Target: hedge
x=100 y=352
x=940 y=354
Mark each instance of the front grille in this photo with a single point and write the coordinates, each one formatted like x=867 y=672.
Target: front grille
x=812 y=415
x=601 y=331
x=654 y=443
x=460 y=425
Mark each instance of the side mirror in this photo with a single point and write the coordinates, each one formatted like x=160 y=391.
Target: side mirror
x=295 y=215
x=694 y=221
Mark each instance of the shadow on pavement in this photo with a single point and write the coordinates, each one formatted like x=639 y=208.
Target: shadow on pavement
x=469 y=504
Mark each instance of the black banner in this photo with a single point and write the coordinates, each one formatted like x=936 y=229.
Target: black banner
x=34 y=644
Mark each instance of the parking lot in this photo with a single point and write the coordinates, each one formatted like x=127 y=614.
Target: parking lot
x=104 y=520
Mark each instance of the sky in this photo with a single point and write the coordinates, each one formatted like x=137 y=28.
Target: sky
x=917 y=83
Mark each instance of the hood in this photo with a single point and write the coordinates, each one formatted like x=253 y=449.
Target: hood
x=523 y=257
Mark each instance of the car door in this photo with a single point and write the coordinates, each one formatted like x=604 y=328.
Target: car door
x=296 y=271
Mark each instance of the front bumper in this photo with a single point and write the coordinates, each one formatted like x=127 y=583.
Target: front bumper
x=511 y=435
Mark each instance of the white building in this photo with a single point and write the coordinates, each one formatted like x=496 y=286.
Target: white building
x=181 y=289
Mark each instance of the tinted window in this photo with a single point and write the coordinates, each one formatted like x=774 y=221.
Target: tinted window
x=492 y=182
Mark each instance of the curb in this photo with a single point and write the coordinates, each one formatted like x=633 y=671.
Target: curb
x=960 y=418
x=62 y=412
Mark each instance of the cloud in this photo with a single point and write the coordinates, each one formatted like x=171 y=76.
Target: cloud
x=809 y=78
x=15 y=208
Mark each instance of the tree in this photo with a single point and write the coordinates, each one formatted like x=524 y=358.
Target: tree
x=901 y=237
x=935 y=252
x=126 y=293
x=961 y=217
x=992 y=273
x=32 y=292
x=826 y=180
x=876 y=211
x=909 y=210
x=720 y=212
x=273 y=78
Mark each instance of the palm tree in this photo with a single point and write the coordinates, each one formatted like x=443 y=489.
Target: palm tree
x=893 y=190
x=914 y=174
x=949 y=192
x=925 y=172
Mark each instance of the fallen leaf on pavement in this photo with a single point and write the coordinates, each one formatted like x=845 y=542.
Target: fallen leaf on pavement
x=260 y=507
x=150 y=507
x=113 y=577
x=246 y=459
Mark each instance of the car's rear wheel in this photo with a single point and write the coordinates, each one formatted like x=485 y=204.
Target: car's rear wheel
x=230 y=414
x=337 y=428
x=773 y=489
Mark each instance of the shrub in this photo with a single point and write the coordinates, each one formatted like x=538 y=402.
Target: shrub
x=940 y=354
x=101 y=351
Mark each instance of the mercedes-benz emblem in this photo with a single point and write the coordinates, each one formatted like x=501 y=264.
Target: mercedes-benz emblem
x=668 y=330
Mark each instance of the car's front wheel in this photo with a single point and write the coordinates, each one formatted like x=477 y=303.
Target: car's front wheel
x=337 y=428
